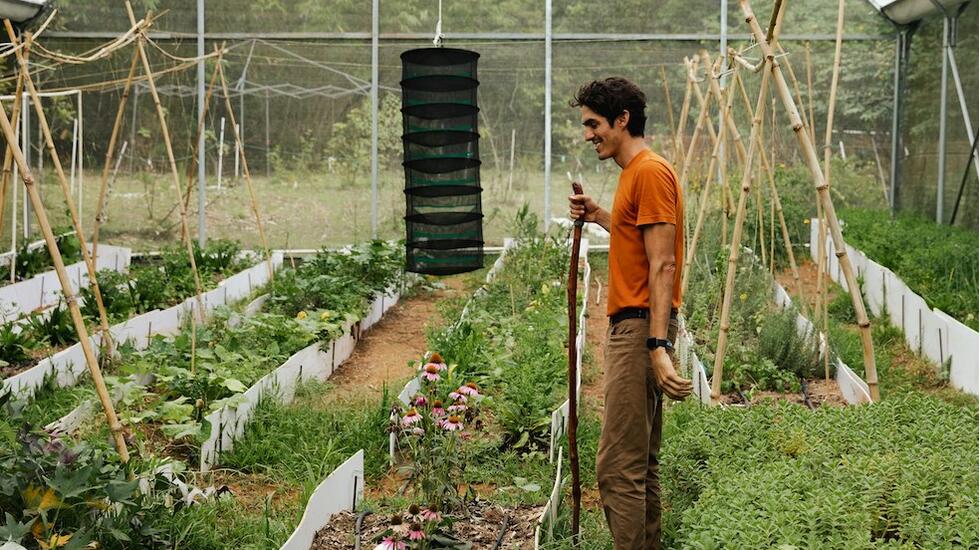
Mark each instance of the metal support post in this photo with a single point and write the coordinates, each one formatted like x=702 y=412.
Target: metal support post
x=374 y=117
x=943 y=89
x=547 y=114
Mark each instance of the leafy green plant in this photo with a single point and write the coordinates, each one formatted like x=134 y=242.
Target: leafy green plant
x=795 y=351
x=55 y=329
x=16 y=346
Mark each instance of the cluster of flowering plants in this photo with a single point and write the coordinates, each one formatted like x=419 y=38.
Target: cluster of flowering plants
x=431 y=430
x=421 y=528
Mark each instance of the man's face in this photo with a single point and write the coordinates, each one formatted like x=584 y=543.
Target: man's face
x=605 y=138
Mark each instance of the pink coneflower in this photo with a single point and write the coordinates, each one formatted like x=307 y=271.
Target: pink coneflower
x=390 y=543
x=457 y=408
x=415 y=532
x=437 y=359
x=430 y=372
x=431 y=513
x=411 y=417
x=452 y=423
x=457 y=397
x=420 y=400
x=468 y=389
x=437 y=409
x=438 y=366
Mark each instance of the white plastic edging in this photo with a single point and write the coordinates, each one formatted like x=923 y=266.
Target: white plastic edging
x=549 y=514
x=931 y=332
x=44 y=289
x=316 y=361
x=342 y=490
x=68 y=366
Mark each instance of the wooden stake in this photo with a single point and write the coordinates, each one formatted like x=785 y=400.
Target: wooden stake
x=245 y=172
x=703 y=101
x=170 y=157
x=59 y=266
x=702 y=208
x=42 y=121
x=813 y=163
x=809 y=91
x=110 y=151
x=193 y=344
x=737 y=237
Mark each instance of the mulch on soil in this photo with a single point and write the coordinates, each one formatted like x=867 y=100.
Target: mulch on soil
x=479 y=524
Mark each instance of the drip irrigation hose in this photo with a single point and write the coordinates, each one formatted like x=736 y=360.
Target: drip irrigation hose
x=357 y=529
x=503 y=531
x=806 y=395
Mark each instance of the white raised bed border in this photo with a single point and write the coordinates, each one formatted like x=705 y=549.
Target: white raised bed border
x=931 y=332
x=68 y=366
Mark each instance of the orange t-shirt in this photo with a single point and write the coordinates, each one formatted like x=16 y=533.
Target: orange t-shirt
x=648 y=193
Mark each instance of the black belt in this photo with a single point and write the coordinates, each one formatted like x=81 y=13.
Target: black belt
x=635 y=313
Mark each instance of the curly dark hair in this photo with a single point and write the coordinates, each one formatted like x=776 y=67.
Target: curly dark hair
x=610 y=97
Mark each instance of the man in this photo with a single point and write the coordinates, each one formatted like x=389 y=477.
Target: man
x=646 y=227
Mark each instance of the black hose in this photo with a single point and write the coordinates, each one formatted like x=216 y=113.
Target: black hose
x=357 y=529
x=806 y=395
x=500 y=536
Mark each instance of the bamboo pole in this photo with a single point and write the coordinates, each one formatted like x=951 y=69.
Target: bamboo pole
x=702 y=208
x=813 y=163
x=708 y=122
x=670 y=110
x=703 y=102
x=774 y=193
x=828 y=138
x=192 y=169
x=685 y=110
x=245 y=172
x=170 y=156
x=110 y=152
x=809 y=91
x=8 y=157
x=59 y=266
x=761 y=220
x=736 y=247
x=42 y=121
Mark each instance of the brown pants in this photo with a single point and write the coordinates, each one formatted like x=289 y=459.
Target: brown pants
x=626 y=467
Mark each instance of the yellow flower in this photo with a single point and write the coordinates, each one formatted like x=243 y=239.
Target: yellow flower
x=301 y=315
x=806 y=221
x=325 y=315
x=743 y=296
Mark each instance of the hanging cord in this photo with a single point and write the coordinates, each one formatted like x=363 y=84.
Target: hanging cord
x=437 y=41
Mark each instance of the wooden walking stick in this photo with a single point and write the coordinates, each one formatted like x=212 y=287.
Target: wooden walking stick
x=813 y=163
x=170 y=157
x=66 y=289
x=63 y=181
x=110 y=152
x=245 y=172
x=736 y=247
x=573 y=371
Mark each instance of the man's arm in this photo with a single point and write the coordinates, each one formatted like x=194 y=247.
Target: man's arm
x=658 y=241
x=584 y=205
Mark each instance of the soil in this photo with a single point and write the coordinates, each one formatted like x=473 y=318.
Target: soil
x=388 y=352
x=808 y=280
x=480 y=524
x=823 y=393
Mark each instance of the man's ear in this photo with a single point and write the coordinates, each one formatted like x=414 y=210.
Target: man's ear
x=622 y=120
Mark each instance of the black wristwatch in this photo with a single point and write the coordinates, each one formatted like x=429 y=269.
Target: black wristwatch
x=654 y=343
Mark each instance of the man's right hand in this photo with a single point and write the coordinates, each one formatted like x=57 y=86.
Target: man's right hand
x=666 y=376
x=582 y=206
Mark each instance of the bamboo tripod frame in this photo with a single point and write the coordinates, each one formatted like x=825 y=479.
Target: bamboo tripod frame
x=59 y=265
x=63 y=181
x=813 y=163
x=192 y=168
x=736 y=247
x=148 y=71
